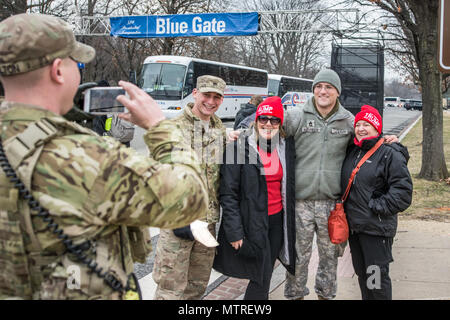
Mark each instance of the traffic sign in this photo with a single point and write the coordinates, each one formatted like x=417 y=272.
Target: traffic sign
x=444 y=36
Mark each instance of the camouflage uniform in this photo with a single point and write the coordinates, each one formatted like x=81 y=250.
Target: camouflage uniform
x=97 y=191
x=93 y=186
x=182 y=267
x=311 y=217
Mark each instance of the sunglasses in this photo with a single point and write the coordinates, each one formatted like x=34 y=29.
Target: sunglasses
x=273 y=121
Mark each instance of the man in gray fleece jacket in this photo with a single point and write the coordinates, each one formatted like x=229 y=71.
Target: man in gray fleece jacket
x=322 y=131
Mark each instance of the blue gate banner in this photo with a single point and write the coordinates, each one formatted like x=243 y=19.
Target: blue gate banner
x=185 y=25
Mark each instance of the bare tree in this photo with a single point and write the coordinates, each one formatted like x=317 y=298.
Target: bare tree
x=398 y=88
x=288 y=53
x=177 y=45
x=417 y=39
x=115 y=57
x=12 y=7
x=213 y=48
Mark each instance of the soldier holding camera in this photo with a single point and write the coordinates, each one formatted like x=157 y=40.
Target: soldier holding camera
x=69 y=199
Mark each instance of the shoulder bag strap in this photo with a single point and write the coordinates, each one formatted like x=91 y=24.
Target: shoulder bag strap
x=360 y=163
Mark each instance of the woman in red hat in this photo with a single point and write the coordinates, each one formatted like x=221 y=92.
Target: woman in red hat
x=257 y=194
x=381 y=188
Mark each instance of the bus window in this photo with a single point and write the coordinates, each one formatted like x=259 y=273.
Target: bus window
x=149 y=77
x=163 y=80
x=273 y=87
x=172 y=76
x=189 y=84
x=299 y=85
x=201 y=69
x=257 y=79
x=224 y=72
x=240 y=77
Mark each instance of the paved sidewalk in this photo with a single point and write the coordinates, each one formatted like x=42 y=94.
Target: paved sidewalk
x=421 y=268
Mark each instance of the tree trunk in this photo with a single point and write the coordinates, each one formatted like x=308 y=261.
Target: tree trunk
x=168 y=44
x=433 y=159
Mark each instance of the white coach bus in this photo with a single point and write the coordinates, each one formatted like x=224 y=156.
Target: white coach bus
x=279 y=85
x=392 y=102
x=171 y=79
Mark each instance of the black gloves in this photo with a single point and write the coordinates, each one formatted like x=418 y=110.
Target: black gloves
x=197 y=230
x=184 y=233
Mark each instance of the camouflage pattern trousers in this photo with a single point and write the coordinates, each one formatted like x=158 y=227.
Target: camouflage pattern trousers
x=311 y=216
x=182 y=267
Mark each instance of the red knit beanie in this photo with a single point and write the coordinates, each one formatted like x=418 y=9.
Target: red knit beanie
x=271 y=106
x=371 y=115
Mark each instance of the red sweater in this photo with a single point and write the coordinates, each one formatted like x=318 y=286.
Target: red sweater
x=274 y=175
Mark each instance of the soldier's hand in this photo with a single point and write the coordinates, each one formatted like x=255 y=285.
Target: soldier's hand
x=143 y=110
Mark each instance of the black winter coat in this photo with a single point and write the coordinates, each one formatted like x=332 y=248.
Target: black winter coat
x=244 y=201
x=243 y=113
x=381 y=188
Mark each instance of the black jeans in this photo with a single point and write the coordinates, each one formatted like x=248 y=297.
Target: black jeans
x=254 y=290
x=371 y=256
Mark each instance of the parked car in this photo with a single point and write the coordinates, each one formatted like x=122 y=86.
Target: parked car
x=412 y=104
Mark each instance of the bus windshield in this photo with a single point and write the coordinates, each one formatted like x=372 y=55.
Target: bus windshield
x=273 y=86
x=163 y=81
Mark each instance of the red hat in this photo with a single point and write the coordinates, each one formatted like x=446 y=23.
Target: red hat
x=271 y=106
x=371 y=115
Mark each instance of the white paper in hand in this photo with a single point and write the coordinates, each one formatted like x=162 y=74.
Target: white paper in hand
x=201 y=234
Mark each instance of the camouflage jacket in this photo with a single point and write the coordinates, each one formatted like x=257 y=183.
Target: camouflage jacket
x=209 y=146
x=94 y=188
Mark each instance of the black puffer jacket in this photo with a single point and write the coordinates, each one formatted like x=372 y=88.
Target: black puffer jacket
x=381 y=188
x=243 y=113
x=243 y=197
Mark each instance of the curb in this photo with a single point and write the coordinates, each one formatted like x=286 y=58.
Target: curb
x=404 y=132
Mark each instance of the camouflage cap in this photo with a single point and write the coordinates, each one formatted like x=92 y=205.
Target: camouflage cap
x=211 y=84
x=32 y=41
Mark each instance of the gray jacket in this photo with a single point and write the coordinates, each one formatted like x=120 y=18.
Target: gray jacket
x=320 y=147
